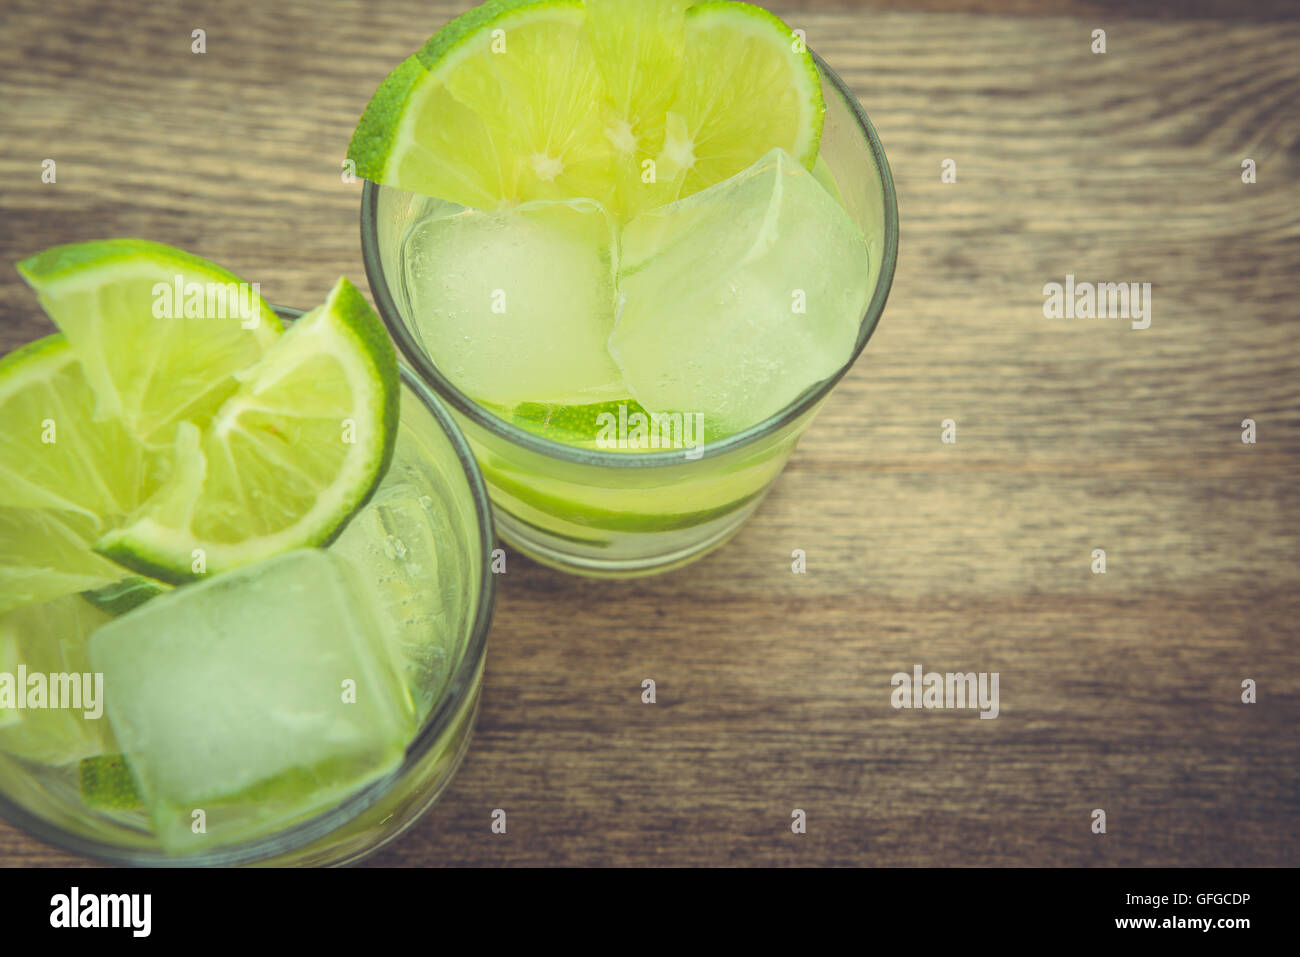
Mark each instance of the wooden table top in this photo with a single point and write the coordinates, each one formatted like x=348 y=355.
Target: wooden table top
x=1119 y=691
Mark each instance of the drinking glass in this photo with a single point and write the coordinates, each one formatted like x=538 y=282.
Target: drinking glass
x=617 y=514
x=433 y=460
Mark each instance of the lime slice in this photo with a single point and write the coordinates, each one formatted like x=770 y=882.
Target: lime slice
x=633 y=103
x=160 y=333
x=287 y=459
x=496 y=109
x=748 y=85
x=106 y=784
x=638 y=49
x=604 y=513
x=571 y=424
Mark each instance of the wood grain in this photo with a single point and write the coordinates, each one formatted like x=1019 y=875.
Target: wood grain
x=1118 y=691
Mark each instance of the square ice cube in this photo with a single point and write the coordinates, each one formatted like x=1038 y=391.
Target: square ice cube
x=517 y=305
x=734 y=301
x=253 y=699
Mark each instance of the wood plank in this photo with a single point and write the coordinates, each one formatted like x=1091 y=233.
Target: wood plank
x=1118 y=691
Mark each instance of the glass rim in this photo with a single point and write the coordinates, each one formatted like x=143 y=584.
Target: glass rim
x=460 y=686
x=533 y=442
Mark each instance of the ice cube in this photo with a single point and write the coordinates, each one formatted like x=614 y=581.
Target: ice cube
x=256 y=697
x=517 y=305
x=392 y=544
x=738 y=299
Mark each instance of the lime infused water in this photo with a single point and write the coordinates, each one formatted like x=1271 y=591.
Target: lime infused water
x=633 y=244
x=250 y=631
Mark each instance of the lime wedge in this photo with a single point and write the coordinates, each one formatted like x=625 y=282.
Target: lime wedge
x=748 y=85
x=45 y=554
x=86 y=416
x=160 y=333
x=287 y=459
x=44 y=640
x=633 y=103
x=51 y=454
x=64 y=479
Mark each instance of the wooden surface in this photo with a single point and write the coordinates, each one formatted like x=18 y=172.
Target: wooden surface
x=1118 y=691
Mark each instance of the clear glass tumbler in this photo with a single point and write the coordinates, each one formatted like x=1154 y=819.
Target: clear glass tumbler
x=614 y=514
x=433 y=458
